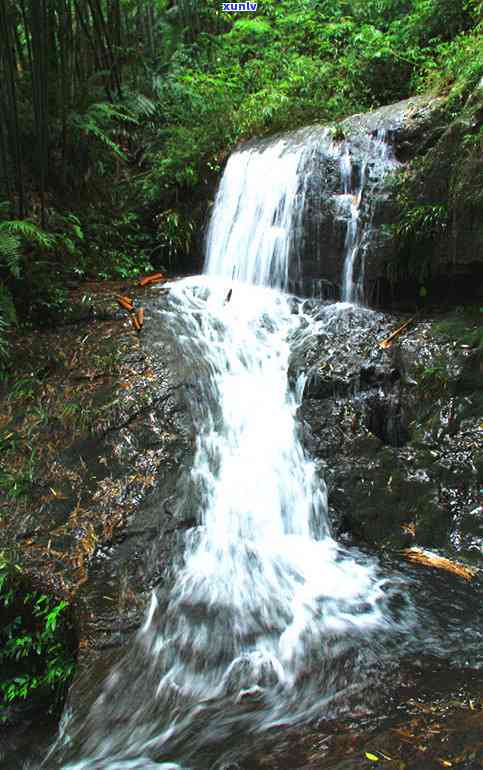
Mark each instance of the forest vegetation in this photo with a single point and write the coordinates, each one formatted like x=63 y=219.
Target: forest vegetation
x=116 y=116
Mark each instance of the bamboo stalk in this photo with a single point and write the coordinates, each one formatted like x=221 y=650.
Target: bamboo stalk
x=386 y=343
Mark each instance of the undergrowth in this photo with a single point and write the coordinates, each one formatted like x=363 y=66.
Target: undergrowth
x=36 y=642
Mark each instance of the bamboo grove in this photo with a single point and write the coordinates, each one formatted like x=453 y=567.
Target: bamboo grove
x=116 y=116
x=55 y=55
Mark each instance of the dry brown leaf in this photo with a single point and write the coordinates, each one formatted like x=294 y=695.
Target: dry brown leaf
x=410 y=528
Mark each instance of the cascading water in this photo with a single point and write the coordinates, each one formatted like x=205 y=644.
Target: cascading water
x=268 y=615
x=353 y=182
x=269 y=619
x=270 y=192
x=252 y=223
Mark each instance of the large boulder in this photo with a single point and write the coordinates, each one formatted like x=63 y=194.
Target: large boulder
x=395 y=431
x=399 y=188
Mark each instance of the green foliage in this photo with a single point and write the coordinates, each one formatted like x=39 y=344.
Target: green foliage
x=28 y=233
x=117 y=246
x=35 y=646
x=139 y=116
x=175 y=234
x=464 y=327
x=17 y=483
x=433 y=381
x=10 y=254
x=421 y=222
x=418 y=227
x=10 y=263
x=101 y=122
x=292 y=63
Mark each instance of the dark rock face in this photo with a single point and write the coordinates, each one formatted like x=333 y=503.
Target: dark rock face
x=422 y=140
x=154 y=440
x=105 y=520
x=395 y=431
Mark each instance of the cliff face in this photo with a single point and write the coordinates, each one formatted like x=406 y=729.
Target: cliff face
x=439 y=201
x=397 y=193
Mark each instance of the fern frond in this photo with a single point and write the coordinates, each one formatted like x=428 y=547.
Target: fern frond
x=10 y=253
x=87 y=124
x=105 y=111
x=8 y=317
x=29 y=232
x=141 y=106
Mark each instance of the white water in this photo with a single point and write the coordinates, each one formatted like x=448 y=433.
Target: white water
x=250 y=230
x=266 y=609
x=257 y=230
x=353 y=183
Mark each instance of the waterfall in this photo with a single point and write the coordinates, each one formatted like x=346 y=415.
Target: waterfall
x=269 y=619
x=250 y=231
x=270 y=192
x=353 y=195
x=353 y=182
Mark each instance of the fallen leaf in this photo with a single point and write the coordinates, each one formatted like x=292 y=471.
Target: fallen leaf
x=410 y=528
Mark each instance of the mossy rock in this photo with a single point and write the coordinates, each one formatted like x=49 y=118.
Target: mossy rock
x=432 y=523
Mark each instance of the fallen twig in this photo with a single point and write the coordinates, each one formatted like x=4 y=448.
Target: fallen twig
x=418 y=556
x=126 y=303
x=135 y=322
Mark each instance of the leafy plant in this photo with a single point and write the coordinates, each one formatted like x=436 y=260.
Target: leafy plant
x=433 y=380
x=101 y=122
x=8 y=318
x=36 y=650
x=175 y=234
x=27 y=232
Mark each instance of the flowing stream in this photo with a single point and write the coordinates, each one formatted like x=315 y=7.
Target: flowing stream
x=270 y=620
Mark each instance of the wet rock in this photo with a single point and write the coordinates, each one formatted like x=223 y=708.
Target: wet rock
x=430 y=141
x=104 y=517
x=385 y=419
x=395 y=431
x=434 y=718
